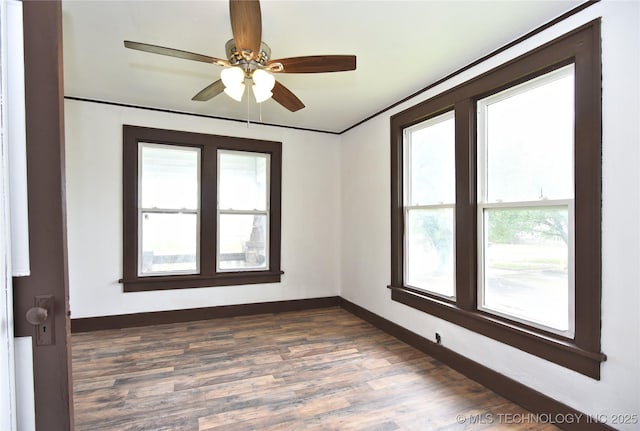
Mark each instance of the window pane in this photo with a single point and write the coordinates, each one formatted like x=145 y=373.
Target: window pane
x=169 y=243
x=243 y=181
x=529 y=138
x=243 y=243
x=169 y=177
x=432 y=162
x=429 y=250
x=526 y=256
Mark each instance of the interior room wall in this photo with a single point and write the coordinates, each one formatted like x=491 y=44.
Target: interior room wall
x=366 y=230
x=310 y=212
x=336 y=218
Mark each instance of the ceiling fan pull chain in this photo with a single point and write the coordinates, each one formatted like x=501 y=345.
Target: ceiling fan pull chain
x=248 y=111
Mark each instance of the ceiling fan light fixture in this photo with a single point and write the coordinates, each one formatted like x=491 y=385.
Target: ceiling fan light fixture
x=261 y=94
x=235 y=92
x=263 y=79
x=232 y=76
x=263 y=83
x=233 y=80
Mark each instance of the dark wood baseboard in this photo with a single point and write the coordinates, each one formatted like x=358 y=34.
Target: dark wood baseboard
x=174 y=316
x=548 y=409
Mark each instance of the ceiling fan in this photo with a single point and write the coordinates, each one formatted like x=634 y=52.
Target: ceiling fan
x=249 y=58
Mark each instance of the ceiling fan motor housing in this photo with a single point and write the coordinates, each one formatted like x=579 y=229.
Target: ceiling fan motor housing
x=237 y=59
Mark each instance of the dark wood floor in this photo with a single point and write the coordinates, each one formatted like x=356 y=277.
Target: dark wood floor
x=321 y=369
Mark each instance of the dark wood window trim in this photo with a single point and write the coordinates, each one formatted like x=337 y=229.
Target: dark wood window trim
x=582 y=353
x=209 y=145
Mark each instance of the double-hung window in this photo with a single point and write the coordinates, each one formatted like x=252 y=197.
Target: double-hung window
x=429 y=178
x=199 y=210
x=169 y=210
x=243 y=218
x=525 y=202
x=495 y=203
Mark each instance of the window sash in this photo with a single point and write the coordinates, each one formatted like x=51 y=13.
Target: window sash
x=408 y=155
x=481 y=247
x=219 y=259
x=482 y=132
x=172 y=147
x=407 y=210
x=265 y=156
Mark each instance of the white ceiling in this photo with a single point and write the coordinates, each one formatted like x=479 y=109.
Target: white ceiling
x=401 y=47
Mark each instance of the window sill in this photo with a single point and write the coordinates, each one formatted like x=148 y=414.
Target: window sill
x=553 y=348
x=167 y=282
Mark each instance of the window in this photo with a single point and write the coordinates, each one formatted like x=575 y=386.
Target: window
x=429 y=176
x=525 y=202
x=199 y=210
x=169 y=210
x=495 y=223
x=242 y=217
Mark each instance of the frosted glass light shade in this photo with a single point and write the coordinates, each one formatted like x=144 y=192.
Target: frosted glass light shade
x=263 y=79
x=260 y=94
x=232 y=76
x=263 y=83
x=235 y=92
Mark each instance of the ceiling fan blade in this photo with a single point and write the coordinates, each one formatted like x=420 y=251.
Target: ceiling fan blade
x=314 y=64
x=246 y=25
x=286 y=98
x=155 y=49
x=210 y=91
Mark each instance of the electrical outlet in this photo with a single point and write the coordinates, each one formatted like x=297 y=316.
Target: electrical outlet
x=45 y=332
x=438 y=338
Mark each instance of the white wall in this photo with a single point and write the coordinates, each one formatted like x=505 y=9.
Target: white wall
x=310 y=212
x=17 y=142
x=25 y=403
x=366 y=230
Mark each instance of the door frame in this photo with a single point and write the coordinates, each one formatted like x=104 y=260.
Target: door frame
x=8 y=409
x=44 y=105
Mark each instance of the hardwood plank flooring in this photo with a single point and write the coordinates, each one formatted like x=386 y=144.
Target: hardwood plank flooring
x=322 y=369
